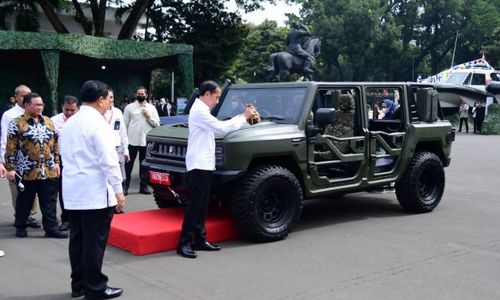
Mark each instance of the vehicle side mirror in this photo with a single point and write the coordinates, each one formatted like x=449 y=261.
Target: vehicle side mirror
x=311 y=129
x=427 y=104
x=194 y=95
x=325 y=116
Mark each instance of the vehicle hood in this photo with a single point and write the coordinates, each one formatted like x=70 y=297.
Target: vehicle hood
x=261 y=131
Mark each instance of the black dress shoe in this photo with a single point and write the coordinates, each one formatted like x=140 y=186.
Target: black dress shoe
x=77 y=294
x=21 y=232
x=33 y=223
x=206 y=246
x=108 y=293
x=125 y=189
x=186 y=251
x=64 y=226
x=56 y=234
x=145 y=190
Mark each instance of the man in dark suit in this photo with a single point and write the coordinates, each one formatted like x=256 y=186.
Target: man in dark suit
x=164 y=108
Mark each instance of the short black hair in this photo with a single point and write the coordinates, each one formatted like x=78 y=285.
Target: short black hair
x=70 y=99
x=92 y=90
x=27 y=98
x=141 y=88
x=208 y=86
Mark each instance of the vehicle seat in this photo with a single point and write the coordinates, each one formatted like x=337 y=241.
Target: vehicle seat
x=343 y=127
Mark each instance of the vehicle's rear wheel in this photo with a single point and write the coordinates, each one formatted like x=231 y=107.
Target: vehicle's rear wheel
x=164 y=199
x=422 y=186
x=267 y=203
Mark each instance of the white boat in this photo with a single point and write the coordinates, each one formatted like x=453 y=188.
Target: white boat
x=465 y=81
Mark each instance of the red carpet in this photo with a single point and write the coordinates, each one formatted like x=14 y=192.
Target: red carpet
x=152 y=231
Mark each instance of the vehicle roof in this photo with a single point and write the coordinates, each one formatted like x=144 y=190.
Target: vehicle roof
x=475 y=70
x=323 y=83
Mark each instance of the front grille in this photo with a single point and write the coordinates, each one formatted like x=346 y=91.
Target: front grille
x=166 y=151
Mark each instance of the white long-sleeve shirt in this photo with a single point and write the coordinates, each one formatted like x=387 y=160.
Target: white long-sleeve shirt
x=201 y=141
x=137 y=124
x=114 y=118
x=91 y=171
x=59 y=120
x=7 y=117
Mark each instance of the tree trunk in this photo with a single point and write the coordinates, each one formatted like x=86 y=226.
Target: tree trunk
x=132 y=21
x=81 y=19
x=98 y=15
x=101 y=17
x=54 y=20
x=337 y=65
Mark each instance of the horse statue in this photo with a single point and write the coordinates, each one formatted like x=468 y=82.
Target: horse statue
x=282 y=63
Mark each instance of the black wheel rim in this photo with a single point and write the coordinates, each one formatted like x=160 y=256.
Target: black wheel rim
x=274 y=206
x=429 y=183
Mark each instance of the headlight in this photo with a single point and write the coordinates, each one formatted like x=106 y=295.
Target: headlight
x=219 y=155
x=149 y=148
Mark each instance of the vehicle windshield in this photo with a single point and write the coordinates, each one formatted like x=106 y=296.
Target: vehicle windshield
x=457 y=78
x=281 y=105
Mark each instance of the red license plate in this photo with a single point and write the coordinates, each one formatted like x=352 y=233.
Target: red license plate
x=159 y=178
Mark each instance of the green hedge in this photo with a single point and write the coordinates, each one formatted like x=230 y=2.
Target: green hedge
x=491 y=124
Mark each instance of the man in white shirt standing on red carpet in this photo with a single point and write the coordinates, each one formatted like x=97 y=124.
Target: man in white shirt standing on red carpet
x=69 y=108
x=200 y=163
x=140 y=117
x=92 y=191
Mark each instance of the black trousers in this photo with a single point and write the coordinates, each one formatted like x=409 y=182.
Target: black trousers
x=47 y=197
x=133 y=150
x=193 y=226
x=478 y=124
x=466 y=124
x=89 y=231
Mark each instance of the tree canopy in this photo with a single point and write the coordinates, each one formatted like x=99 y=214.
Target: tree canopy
x=398 y=39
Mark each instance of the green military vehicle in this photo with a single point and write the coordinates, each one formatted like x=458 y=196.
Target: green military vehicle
x=266 y=171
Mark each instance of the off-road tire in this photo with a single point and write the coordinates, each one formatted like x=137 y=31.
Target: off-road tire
x=163 y=202
x=267 y=204
x=422 y=185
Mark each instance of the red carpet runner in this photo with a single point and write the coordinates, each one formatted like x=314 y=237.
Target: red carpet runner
x=152 y=231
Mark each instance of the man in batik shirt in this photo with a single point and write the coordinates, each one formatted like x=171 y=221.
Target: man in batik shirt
x=32 y=161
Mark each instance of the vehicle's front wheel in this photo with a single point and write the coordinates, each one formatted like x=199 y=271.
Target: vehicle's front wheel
x=422 y=186
x=267 y=203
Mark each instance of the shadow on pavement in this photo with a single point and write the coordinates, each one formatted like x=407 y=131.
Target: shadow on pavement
x=56 y=296
x=350 y=208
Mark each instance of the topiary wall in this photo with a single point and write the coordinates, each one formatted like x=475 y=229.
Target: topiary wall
x=491 y=124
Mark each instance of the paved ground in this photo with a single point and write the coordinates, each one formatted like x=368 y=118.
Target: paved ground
x=362 y=247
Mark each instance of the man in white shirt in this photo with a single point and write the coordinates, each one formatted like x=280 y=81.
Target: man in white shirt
x=200 y=163
x=69 y=108
x=114 y=118
x=92 y=191
x=7 y=117
x=140 y=117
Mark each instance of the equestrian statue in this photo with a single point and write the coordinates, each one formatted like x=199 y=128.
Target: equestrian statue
x=298 y=59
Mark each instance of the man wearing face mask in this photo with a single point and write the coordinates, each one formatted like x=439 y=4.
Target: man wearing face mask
x=139 y=117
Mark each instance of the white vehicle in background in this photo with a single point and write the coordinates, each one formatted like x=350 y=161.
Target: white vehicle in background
x=465 y=81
